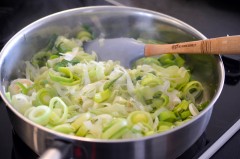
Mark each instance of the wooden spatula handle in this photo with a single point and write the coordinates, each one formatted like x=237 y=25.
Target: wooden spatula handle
x=221 y=45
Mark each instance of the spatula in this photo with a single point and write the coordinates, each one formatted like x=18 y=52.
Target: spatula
x=127 y=50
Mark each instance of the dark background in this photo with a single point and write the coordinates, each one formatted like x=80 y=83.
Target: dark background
x=213 y=18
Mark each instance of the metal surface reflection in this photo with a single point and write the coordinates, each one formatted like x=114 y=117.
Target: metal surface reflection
x=232 y=69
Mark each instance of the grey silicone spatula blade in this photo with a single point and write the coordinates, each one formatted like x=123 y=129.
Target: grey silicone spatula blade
x=125 y=50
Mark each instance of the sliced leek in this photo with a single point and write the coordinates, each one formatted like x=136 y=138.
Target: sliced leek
x=69 y=91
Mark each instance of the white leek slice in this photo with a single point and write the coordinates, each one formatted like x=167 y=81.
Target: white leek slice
x=193 y=110
x=57 y=102
x=21 y=102
x=40 y=114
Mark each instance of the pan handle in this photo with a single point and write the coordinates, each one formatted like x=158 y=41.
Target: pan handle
x=52 y=153
x=58 y=150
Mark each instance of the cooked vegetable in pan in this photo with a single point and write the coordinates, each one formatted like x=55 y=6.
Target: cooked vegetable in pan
x=70 y=91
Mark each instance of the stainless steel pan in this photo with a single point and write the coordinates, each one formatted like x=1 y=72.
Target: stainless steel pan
x=110 y=22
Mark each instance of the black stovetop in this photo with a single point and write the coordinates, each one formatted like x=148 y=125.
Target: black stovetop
x=213 y=18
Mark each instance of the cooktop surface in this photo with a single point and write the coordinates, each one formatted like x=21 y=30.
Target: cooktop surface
x=211 y=17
